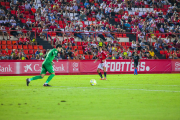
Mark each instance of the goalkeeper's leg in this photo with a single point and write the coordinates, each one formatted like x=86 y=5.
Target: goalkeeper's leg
x=51 y=71
x=28 y=80
x=43 y=73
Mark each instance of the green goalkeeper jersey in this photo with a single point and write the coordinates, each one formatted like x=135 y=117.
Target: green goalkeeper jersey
x=49 y=57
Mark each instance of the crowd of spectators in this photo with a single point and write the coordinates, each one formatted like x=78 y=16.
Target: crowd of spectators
x=74 y=16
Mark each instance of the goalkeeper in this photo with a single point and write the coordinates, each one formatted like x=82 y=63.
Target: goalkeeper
x=47 y=65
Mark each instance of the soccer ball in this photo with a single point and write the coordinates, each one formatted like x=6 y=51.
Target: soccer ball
x=93 y=82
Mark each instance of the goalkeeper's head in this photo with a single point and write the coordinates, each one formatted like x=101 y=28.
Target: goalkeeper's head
x=59 y=47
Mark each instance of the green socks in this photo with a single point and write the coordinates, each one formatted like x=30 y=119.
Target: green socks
x=49 y=78
x=35 y=78
x=39 y=77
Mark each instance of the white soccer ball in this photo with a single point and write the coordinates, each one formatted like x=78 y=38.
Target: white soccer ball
x=93 y=82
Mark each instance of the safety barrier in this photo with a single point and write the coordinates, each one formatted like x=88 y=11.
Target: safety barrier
x=30 y=67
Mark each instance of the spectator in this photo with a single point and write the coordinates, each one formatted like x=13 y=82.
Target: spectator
x=129 y=54
x=38 y=57
x=76 y=56
x=88 y=50
x=143 y=46
x=29 y=23
x=3 y=31
x=53 y=27
x=69 y=54
x=44 y=32
x=37 y=52
x=27 y=6
x=114 y=52
x=125 y=54
x=133 y=45
x=6 y=55
x=152 y=54
x=33 y=57
x=86 y=4
x=1 y=55
x=156 y=46
x=12 y=21
x=113 y=57
x=108 y=34
x=59 y=56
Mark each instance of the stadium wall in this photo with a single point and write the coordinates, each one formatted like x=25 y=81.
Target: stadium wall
x=66 y=67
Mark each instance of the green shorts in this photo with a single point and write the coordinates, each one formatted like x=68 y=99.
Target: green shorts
x=47 y=67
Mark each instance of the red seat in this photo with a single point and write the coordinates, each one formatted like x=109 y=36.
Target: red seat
x=9 y=47
x=124 y=47
x=120 y=35
x=19 y=46
x=0 y=42
x=31 y=16
x=146 y=6
x=163 y=36
x=89 y=19
x=78 y=43
x=9 y=51
x=80 y=51
x=90 y=57
x=27 y=16
x=0 y=46
x=40 y=47
x=124 y=35
x=127 y=44
x=161 y=52
x=7 y=7
x=116 y=19
x=35 y=47
x=86 y=57
x=123 y=43
x=80 y=48
x=7 y=3
x=26 y=51
x=3 y=3
x=14 y=46
x=3 y=42
x=33 y=21
x=23 y=20
x=165 y=52
x=34 y=29
x=3 y=51
x=93 y=19
x=25 y=47
x=3 y=46
x=30 y=56
x=153 y=43
x=31 y=52
x=119 y=16
x=14 y=42
x=74 y=47
x=26 y=12
x=8 y=43
x=30 y=47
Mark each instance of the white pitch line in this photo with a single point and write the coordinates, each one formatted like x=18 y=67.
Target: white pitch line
x=68 y=87
x=153 y=85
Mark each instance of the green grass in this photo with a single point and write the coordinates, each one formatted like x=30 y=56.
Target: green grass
x=121 y=97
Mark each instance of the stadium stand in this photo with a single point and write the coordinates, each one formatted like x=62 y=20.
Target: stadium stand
x=149 y=27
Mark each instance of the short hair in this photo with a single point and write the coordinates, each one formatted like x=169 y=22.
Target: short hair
x=58 y=46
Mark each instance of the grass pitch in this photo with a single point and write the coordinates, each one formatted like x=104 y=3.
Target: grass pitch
x=120 y=97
